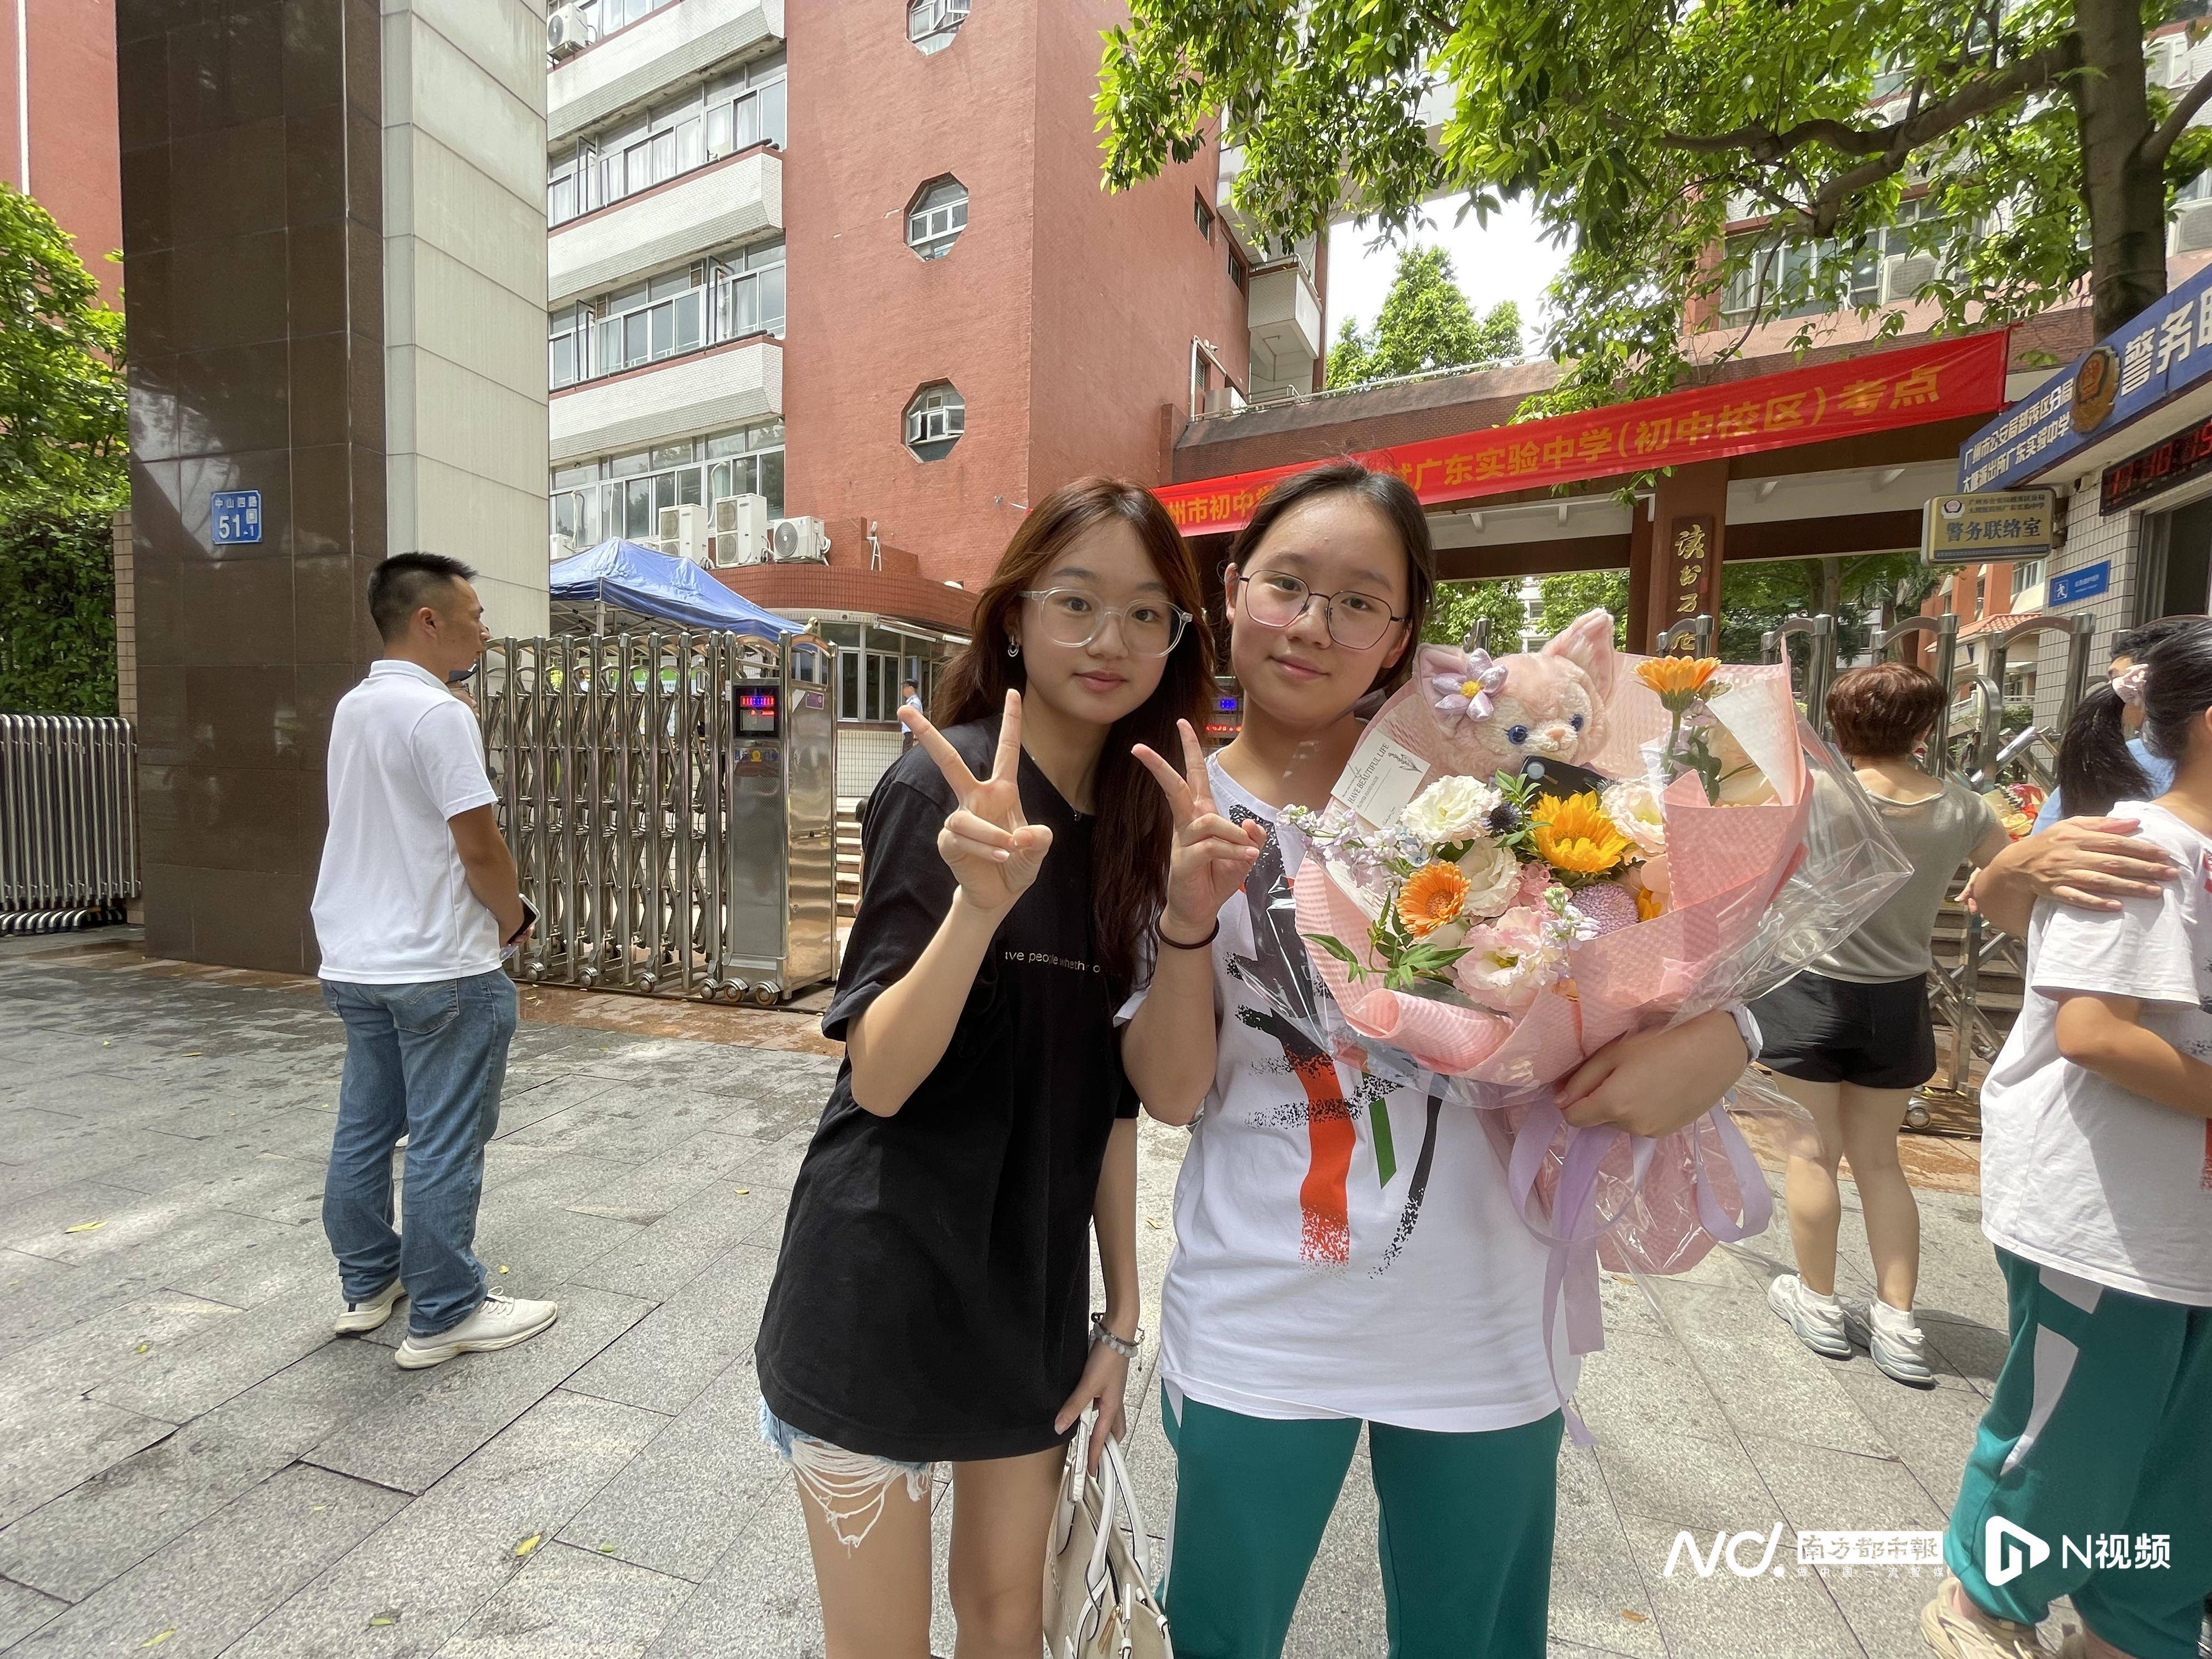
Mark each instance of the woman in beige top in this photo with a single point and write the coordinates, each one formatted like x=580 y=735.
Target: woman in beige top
x=1850 y=1038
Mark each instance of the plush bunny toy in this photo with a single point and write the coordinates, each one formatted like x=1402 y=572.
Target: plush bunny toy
x=1547 y=705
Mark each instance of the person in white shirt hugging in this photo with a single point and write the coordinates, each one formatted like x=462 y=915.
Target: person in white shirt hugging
x=2091 y=1475
x=415 y=897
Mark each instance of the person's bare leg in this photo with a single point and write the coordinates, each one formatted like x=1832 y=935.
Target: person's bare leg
x=1871 y=1120
x=1001 y=1513
x=875 y=1594
x=1816 y=1208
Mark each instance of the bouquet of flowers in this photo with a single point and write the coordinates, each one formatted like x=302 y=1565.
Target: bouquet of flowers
x=1530 y=857
x=2015 y=805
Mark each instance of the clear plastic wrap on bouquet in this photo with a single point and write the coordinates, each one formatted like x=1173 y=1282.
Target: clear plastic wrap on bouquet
x=1764 y=877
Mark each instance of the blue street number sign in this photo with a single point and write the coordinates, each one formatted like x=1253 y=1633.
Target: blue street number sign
x=2087 y=583
x=237 y=516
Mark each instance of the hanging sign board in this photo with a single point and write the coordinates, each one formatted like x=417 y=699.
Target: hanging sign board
x=1994 y=523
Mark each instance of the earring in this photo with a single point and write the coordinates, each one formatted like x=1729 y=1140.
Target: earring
x=1013 y=647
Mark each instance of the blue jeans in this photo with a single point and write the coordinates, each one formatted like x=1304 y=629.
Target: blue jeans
x=425 y=1060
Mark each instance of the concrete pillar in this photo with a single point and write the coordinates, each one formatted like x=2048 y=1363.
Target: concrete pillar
x=259 y=237
x=1690 y=531
x=464 y=293
x=253 y=257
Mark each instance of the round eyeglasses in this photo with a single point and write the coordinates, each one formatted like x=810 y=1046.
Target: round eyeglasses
x=1275 y=599
x=1150 y=627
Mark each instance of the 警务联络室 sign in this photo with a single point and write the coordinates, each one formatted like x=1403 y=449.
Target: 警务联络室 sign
x=2130 y=372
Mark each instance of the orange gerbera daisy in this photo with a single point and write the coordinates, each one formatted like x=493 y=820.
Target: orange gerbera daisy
x=1648 y=905
x=1432 y=896
x=1576 y=837
x=1677 y=679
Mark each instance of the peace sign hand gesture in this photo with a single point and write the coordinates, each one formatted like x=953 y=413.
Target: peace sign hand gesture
x=992 y=849
x=1212 y=853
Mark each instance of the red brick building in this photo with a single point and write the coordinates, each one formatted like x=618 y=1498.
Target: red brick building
x=899 y=306
x=59 y=144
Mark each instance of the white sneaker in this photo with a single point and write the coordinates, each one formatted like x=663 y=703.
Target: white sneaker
x=361 y=1316
x=500 y=1322
x=1817 y=1323
x=1895 y=1340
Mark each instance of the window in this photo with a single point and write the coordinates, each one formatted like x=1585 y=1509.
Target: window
x=749 y=293
x=935 y=418
x=622 y=494
x=1202 y=216
x=725 y=297
x=935 y=218
x=931 y=24
x=743 y=108
x=2026 y=573
x=1235 y=268
x=1981 y=593
x=603 y=17
x=1803 y=279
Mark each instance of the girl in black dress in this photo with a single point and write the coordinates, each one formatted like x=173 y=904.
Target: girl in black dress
x=931 y=1301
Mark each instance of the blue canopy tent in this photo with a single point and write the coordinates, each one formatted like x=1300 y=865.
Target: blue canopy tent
x=637 y=578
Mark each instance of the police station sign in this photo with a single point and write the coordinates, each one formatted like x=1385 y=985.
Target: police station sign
x=2156 y=356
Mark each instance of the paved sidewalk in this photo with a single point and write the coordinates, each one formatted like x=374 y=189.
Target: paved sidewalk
x=193 y=1466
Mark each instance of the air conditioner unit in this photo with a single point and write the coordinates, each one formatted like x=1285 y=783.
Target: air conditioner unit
x=563 y=547
x=800 y=541
x=1902 y=275
x=741 y=533
x=2192 y=229
x=565 y=33
x=684 y=533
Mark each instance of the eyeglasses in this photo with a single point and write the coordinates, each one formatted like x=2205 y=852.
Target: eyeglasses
x=1150 y=627
x=1274 y=598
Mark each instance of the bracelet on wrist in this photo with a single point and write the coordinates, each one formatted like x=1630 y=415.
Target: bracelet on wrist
x=1127 y=1347
x=1193 y=944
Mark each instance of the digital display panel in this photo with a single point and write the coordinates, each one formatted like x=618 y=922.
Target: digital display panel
x=757 y=711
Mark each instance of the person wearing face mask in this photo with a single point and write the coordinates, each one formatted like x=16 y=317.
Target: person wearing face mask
x=930 y=1304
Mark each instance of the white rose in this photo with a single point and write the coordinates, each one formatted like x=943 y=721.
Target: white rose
x=1633 y=806
x=1493 y=877
x=1450 y=809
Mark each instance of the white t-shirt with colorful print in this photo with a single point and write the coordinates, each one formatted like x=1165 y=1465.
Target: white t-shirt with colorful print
x=1343 y=1248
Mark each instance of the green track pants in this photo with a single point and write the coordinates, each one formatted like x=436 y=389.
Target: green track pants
x=2097 y=1445
x=1465 y=1538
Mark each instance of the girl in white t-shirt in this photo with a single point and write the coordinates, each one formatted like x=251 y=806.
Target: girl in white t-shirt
x=1345 y=1251
x=2091 y=1475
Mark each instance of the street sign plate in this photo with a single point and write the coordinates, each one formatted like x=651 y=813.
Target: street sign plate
x=2087 y=583
x=237 y=516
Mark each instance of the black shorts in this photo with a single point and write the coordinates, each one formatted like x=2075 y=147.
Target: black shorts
x=1839 y=1030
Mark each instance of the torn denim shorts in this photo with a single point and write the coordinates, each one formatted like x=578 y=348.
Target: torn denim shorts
x=850 y=1486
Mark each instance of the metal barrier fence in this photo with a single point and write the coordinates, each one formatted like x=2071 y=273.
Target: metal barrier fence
x=69 y=822
x=652 y=838
x=1977 y=753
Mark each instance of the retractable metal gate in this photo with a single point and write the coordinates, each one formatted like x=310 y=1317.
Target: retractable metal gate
x=1973 y=751
x=663 y=831
x=69 y=822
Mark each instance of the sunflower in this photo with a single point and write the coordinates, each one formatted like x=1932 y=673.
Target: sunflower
x=1678 y=680
x=1431 y=897
x=1575 y=837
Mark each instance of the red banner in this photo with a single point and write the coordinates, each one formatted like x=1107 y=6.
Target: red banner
x=1939 y=381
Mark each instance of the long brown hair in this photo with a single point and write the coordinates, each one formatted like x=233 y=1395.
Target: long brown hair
x=1135 y=830
x=1389 y=496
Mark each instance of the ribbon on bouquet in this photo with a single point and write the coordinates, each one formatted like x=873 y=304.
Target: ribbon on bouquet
x=1571 y=1233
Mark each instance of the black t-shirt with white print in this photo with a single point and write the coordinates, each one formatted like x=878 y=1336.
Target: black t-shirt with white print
x=932 y=1299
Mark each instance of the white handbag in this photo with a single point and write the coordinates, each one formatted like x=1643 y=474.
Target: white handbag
x=1098 y=1601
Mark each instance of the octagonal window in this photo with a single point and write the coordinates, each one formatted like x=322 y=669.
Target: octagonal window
x=931 y=24
x=936 y=216
x=935 y=418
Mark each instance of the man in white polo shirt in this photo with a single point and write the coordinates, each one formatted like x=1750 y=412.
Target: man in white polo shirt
x=417 y=896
